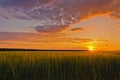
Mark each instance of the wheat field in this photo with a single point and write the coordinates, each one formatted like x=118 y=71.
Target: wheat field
x=59 y=65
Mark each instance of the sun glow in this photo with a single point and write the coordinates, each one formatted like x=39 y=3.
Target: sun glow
x=91 y=48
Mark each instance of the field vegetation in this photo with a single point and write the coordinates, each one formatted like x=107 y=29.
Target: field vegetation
x=59 y=65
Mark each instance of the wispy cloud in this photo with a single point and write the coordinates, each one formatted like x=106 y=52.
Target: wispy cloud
x=41 y=38
x=77 y=29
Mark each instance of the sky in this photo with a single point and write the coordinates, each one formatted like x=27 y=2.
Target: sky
x=60 y=24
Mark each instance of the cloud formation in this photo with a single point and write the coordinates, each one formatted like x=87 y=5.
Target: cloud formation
x=50 y=28
x=23 y=3
x=56 y=13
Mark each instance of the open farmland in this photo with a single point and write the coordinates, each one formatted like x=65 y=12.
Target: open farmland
x=59 y=65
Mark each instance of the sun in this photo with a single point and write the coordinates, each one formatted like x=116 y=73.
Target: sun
x=91 y=48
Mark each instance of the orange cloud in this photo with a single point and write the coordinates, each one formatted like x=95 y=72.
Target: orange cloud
x=77 y=29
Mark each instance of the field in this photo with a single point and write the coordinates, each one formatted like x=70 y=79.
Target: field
x=59 y=65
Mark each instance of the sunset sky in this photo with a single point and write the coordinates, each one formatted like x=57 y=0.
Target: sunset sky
x=60 y=24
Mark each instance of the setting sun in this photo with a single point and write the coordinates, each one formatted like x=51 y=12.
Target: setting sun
x=91 y=48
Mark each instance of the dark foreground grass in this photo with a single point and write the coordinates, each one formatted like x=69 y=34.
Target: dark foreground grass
x=36 y=65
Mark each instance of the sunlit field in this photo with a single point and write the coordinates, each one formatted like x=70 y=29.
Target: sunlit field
x=59 y=65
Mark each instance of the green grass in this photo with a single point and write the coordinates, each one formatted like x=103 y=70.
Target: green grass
x=62 y=65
